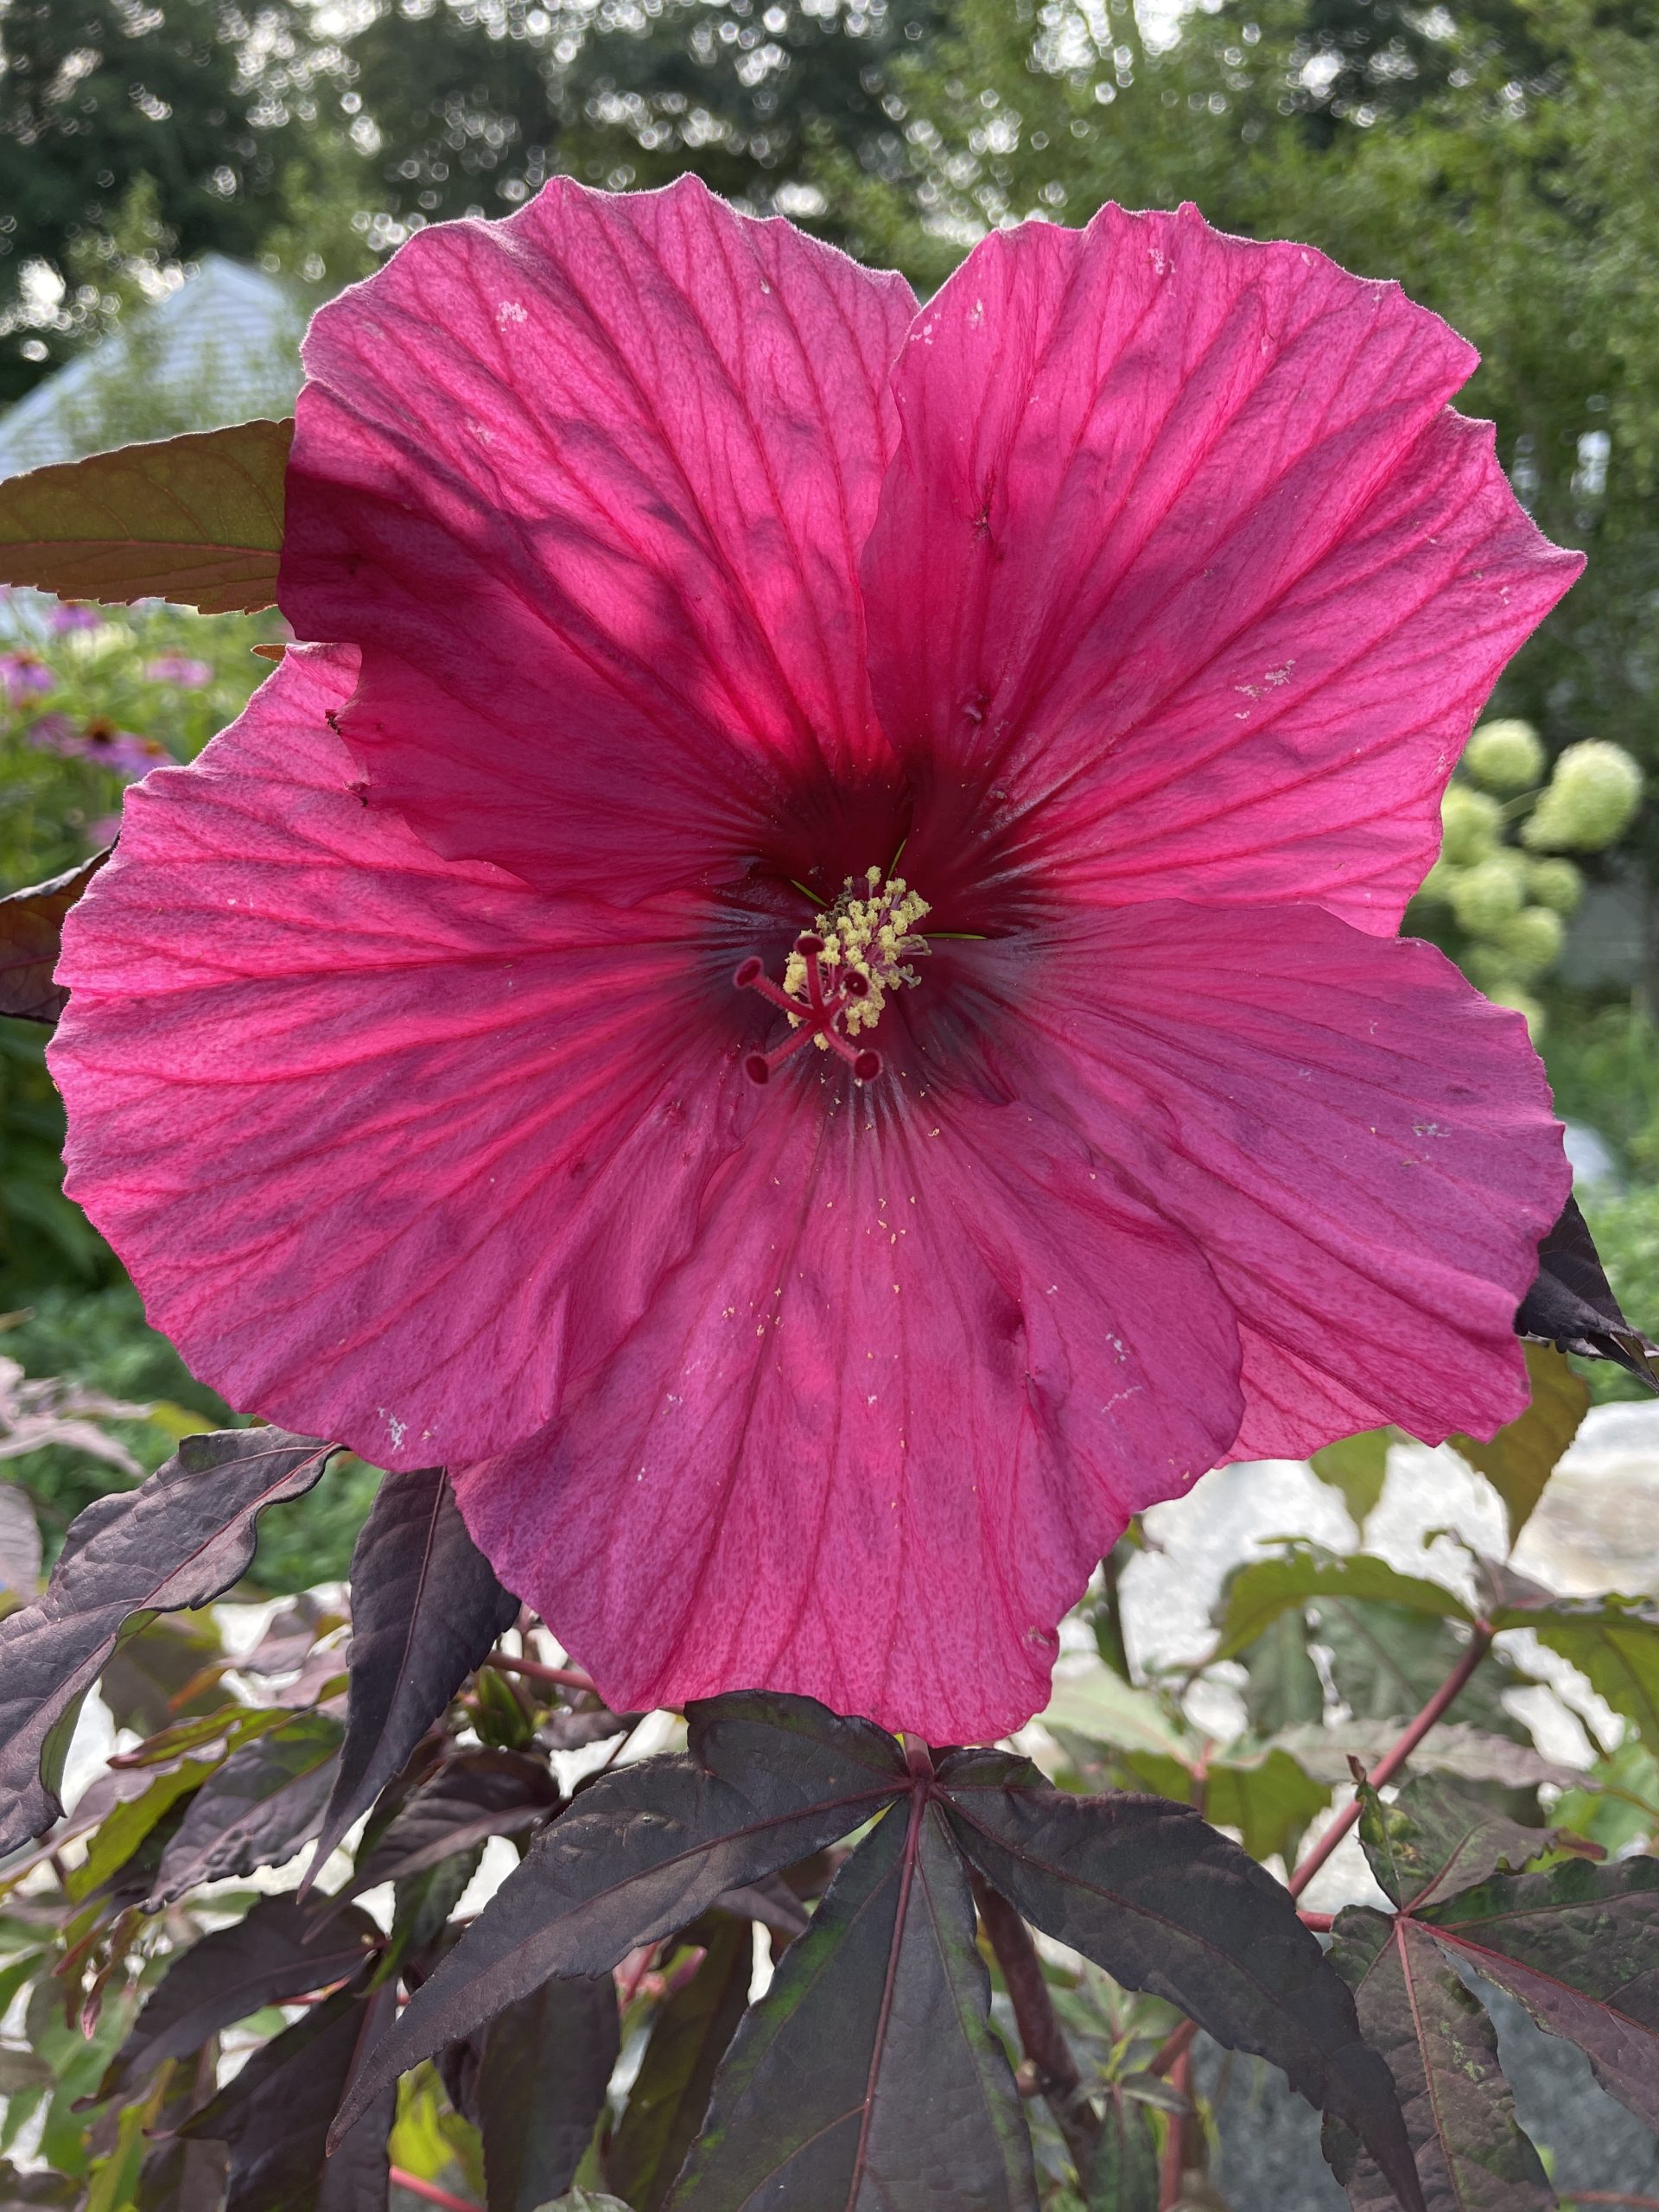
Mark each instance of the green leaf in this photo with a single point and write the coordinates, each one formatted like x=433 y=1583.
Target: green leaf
x=1262 y=1793
x=1386 y=1664
x=1102 y=1706
x=689 y=2039
x=1123 y=2177
x=1257 y=1593
x=1578 y=1946
x=868 y=2078
x=1441 y=2049
x=125 y=1828
x=1612 y=1640
x=1439 y=1837
x=197 y=519
x=1520 y=1458
x=1357 y=1468
x=1282 y=1687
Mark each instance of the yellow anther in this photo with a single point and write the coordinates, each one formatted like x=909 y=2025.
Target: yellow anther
x=870 y=937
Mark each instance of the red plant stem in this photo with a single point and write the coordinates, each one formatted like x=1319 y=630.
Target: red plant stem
x=430 y=2191
x=1041 y=2037
x=1174 y=2167
x=568 y=1678
x=1173 y=2048
x=1320 y=1922
x=1393 y=1758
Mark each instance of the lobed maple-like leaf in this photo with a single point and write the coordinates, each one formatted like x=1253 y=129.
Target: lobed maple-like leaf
x=31 y=937
x=1442 y=2048
x=276 y=1952
x=868 y=2078
x=196 y=518
x=689 y=2039
x=1613 y=1640
x=1578 y=1946
x=1439 y=1837
x=426 y=1607
x=180 y=1540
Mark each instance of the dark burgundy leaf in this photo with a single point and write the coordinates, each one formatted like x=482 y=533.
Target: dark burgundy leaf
x=279 y=1951
x=772 y=1902
x=1123 y=2174
x=468 y=1798
x=180 y=2175
x=31 y=937
x=1441 y=2049
x=275 y=2115
x=575 y=1731
x=1578 y=1946
x=868 y=2078
x=1572 y=1304
x=688 y=2041
x=540 y=2087
x=258 y=1810
x=646 y=1851
x=180 y=1540
x=148 y=1678
x=1164 y=1903
x=1439 y=1837
x=426 y=1607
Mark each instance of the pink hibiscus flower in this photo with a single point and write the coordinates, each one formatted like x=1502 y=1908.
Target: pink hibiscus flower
x=804 y=987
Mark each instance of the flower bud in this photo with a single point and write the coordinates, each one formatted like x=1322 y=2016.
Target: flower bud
x=1470 y=822
x=1589 y=801
x=1505 y=756
x=1530 y=941
x=1489 y=894
x=1556 y=884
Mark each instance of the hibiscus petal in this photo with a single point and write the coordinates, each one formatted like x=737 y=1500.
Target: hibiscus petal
x=876 y=1432
x=588 y=486
x=1185 y=568
x=388 y=1142
x=1362 y=1145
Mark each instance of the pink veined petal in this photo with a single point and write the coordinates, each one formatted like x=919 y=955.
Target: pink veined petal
x=876 y=1433
x=588 y=487
x=1360 y=1145
x=1187 y=567
x=390 y=1143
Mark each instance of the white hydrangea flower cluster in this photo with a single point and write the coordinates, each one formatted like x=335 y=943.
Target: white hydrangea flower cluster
x=1510 y=902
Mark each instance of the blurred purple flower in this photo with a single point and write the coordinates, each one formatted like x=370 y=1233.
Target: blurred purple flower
x=24 y=676
x=121 y=750
x=73 y=616
x=177 y=668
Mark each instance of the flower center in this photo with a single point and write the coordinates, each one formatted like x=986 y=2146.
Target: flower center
x=838 y=976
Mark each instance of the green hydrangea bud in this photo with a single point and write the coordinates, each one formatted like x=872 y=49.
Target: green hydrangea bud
x=1486 y=896
x=1505 y=756
x=1470 y=822
x=1556 y=884
x=1523 y=1002
x=1589 y=801
x=1530 y=941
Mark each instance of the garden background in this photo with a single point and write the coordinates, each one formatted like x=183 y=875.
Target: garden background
x=182 y=184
